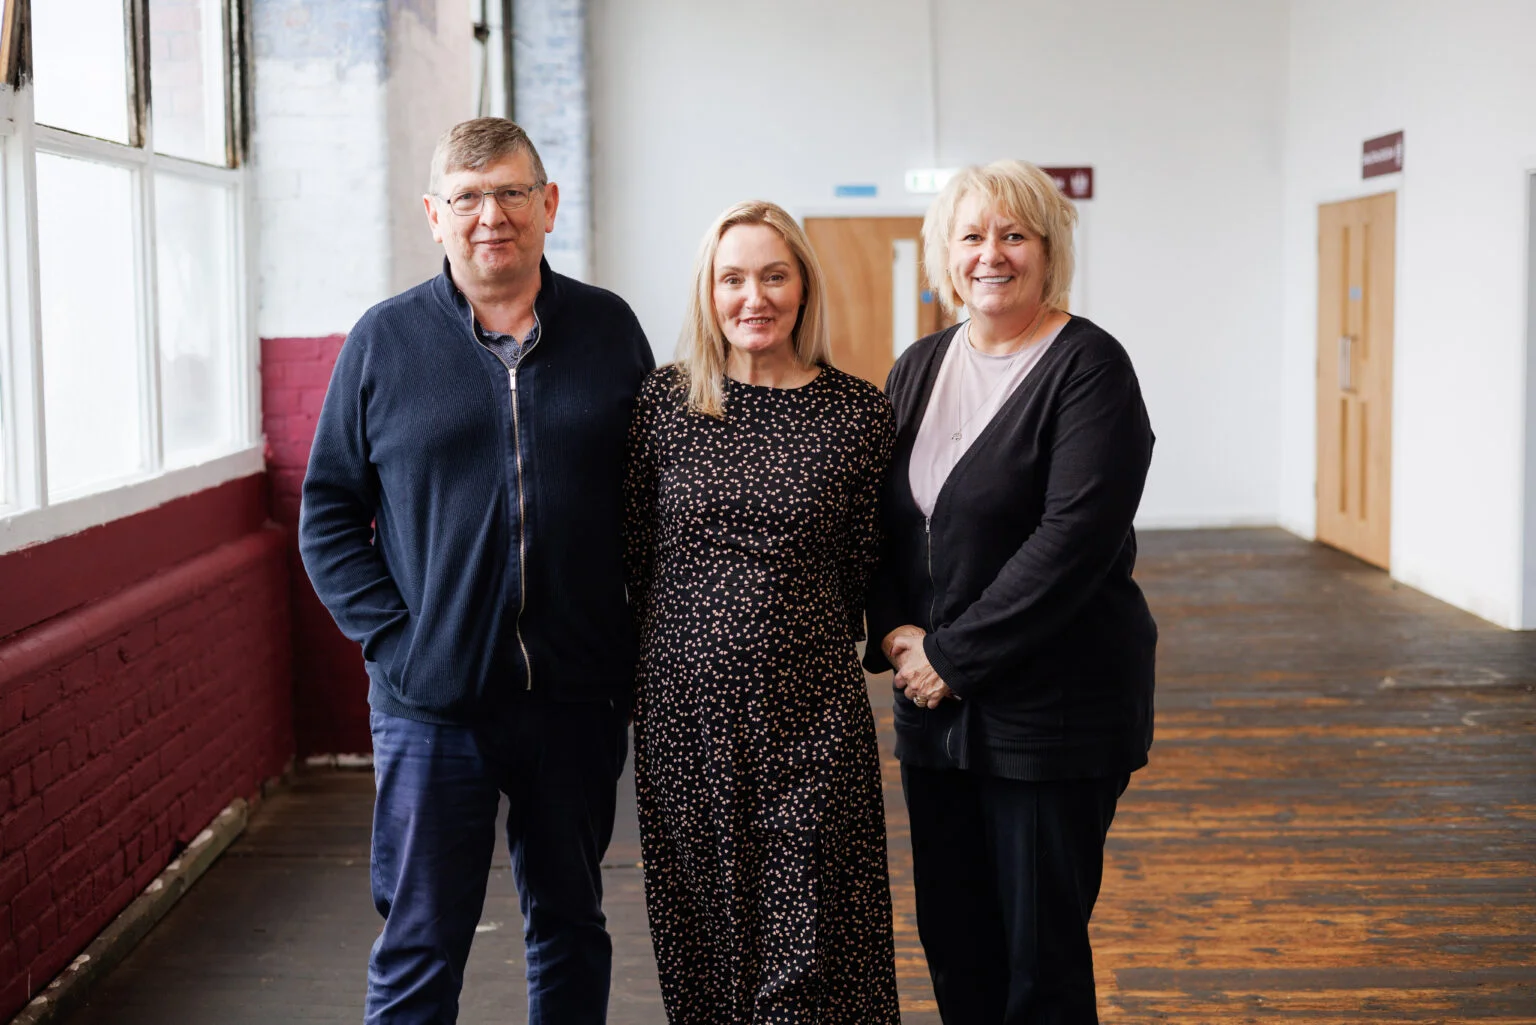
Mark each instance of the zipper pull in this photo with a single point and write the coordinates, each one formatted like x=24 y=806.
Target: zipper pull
x=512 y=378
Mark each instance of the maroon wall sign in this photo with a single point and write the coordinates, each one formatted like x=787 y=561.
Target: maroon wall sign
x=1383 y=155
x=1074 y=182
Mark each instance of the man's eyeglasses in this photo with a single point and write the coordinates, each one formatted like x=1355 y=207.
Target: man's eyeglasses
x=509 y=198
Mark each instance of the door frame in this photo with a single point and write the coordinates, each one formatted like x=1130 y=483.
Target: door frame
x=856 y=208
x=1361 y=190
x=862 y=209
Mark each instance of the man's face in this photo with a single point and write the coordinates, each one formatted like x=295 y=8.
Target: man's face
x=493 y=246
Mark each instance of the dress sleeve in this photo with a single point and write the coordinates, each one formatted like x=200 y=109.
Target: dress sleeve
x=640 y=519
x=886 y=607
x=861 y=540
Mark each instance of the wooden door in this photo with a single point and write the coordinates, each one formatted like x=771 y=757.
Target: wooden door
x=1355 y=273
x=861 y=257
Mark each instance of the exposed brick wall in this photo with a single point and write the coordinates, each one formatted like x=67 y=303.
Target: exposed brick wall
x=330 y=684
x=294 y=376
x=69 y=572
x=433 y=67
x=126 y=724
x=554 y=106
x=320 y=147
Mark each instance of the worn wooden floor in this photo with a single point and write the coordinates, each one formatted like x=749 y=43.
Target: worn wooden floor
x=1339 y=821
x=1338 y=825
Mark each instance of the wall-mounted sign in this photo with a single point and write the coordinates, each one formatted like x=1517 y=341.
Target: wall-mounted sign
x=929 y=179
x=860 y=191
x=1074 y=182
x=1382 y=155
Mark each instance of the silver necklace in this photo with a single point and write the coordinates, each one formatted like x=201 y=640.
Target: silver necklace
x=966 y=358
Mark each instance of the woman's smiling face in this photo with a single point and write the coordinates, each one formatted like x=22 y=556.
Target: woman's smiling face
x=758 y=289
x=997 y=264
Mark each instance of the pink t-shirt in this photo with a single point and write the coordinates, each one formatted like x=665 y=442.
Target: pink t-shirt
x=970 y=389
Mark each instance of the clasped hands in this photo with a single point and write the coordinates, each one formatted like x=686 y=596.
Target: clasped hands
x=915 y=676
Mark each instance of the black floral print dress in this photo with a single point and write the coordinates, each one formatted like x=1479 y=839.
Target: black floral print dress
x=751 y=541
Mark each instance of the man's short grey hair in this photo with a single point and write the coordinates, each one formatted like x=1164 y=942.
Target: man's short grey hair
x=471 y=145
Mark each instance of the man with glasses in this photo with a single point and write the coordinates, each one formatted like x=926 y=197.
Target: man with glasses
x=461 y=521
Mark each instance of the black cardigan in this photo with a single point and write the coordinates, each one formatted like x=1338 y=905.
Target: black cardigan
x=1022 y=577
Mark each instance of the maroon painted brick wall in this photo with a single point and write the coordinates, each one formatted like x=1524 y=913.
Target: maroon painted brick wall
x=129 y=720
x=330 y=684
x=65 y=574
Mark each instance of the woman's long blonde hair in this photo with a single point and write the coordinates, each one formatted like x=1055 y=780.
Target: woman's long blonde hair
x=701 y=348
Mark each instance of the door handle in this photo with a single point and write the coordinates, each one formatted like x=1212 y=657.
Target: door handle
x=1346 y=363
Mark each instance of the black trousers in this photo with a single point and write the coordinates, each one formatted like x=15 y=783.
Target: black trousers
x=1006 y=874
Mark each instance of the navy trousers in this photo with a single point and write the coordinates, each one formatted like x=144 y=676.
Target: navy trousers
x=434 y=826
x=1006 y=874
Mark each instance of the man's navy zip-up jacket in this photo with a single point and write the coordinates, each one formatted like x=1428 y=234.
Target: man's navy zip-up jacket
x=462 y=521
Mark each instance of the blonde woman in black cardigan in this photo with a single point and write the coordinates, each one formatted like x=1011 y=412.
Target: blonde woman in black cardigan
x=1023 y=649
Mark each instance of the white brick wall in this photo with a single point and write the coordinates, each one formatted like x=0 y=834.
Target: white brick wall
x=320 y=160
x=350 y=96
x=431 y=62
x=550 y=67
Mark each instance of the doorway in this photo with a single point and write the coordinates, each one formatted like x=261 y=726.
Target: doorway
x=1356 y=256
x=877 y=303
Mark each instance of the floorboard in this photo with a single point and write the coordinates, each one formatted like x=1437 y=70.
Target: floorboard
x=1338 y=825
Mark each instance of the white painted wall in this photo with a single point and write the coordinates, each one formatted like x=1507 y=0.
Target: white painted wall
x=432 y=58
x=1528 y=560
x=1177 y=105
x=1215 y=129
x=549 y=62
x=318 y=175
x=1460 y=80
x=350 y=96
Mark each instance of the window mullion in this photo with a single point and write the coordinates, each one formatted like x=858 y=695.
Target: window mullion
x=136 y=17
x=27 y=426
x=216 y=77
x=247 y=366
x=136 y=22
x=237 y=95
x=84 y=147
x=185 y=168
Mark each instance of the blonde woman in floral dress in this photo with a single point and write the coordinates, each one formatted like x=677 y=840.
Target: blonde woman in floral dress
x=755 y=469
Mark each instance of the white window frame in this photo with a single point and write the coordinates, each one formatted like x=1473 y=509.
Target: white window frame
x=27 y=516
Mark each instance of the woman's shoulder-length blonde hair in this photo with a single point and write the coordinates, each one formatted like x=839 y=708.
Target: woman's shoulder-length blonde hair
x=701 y=348
x=1020 y=191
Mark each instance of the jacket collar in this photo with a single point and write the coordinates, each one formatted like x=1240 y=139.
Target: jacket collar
x=548 y=298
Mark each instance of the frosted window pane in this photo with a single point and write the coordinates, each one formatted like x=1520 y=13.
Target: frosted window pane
x=186 y=68
x=7 y=497
x=80 y=66
x=194 y=242
x=91 y=392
